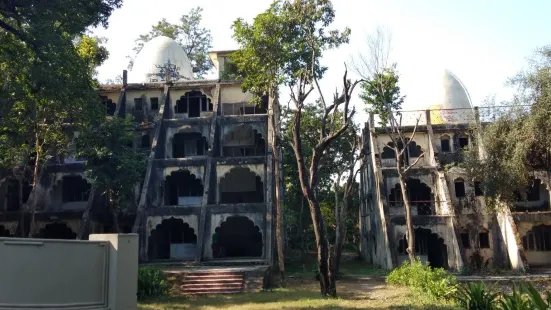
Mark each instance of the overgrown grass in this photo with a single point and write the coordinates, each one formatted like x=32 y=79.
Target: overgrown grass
x=436 y=283
x=304 y=294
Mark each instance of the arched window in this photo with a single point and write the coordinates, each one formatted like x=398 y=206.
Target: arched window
x=459 y=188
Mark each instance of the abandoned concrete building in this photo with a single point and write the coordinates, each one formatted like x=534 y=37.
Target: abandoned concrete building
x=207 y=192
x=452 y=227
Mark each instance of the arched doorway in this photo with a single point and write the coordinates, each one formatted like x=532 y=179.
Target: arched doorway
x=56 y=231
x=429 y=246
x=172 y=239
x=237 y=237
x=241 y=185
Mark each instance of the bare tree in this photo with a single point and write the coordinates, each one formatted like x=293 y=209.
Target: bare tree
x=382 y=94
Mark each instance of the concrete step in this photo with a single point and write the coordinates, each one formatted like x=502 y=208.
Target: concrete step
x=211 y=289
x=211 y=277
x=214 y=293
x=211 y=285
x=199 y=281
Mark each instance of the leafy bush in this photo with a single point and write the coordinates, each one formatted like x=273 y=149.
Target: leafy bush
x=151 y=283
x=436 y=282
x=475 y=296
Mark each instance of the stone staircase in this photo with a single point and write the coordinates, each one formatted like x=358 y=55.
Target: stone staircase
x=208 y=282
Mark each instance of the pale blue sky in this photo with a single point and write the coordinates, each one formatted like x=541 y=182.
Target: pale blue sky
x=482 y=42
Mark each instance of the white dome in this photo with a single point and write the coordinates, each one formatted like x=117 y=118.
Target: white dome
x=158 y=52
x=451 y=97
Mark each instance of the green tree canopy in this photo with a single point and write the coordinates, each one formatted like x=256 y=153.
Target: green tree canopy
x=111 y=161
x=515 y=142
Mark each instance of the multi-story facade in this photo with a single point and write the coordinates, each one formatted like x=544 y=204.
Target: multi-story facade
x=207 y=191
x=452 y=226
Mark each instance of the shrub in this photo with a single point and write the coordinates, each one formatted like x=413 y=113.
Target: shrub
x=475 y=296
x=436 y=282
x=151 y=283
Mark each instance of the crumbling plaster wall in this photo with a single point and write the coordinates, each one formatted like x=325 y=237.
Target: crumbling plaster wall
x=146 y=96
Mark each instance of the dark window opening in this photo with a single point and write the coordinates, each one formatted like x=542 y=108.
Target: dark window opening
x=478 y=189
x=172 y=239
x=109 y=106
x=181 y=106
x=194 y=107
x=193 y=103
x=146 y=141
x=183 y=188
x=484 y=240
x=241 y=185
x=538 y=239
x=445 y=145
x=138 y=104
x=56 y=231
x=242 y=142
x=459 y=188
x=154 y=103
x=75 y=188
x=463 y=142
x=13 y=191
x=4 y=232
x=188 y=144
x=237 y=237
x=465 y=240
x=533 y=193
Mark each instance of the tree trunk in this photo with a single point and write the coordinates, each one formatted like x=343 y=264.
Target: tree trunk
x=410 y=234
x=32 y=201
x=114 y=212
x=116 y=227
x=274 y=119
x=327 y=279
x=300 y=232
x=21 y=206
x=85 y=221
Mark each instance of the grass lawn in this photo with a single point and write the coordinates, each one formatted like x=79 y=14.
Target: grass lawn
x=304 y=294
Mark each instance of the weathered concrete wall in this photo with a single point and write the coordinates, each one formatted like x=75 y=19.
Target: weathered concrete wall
x=48 y=274
x=510 y=238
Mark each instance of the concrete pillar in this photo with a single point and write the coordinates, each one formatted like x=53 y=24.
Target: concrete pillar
x=123 y=269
